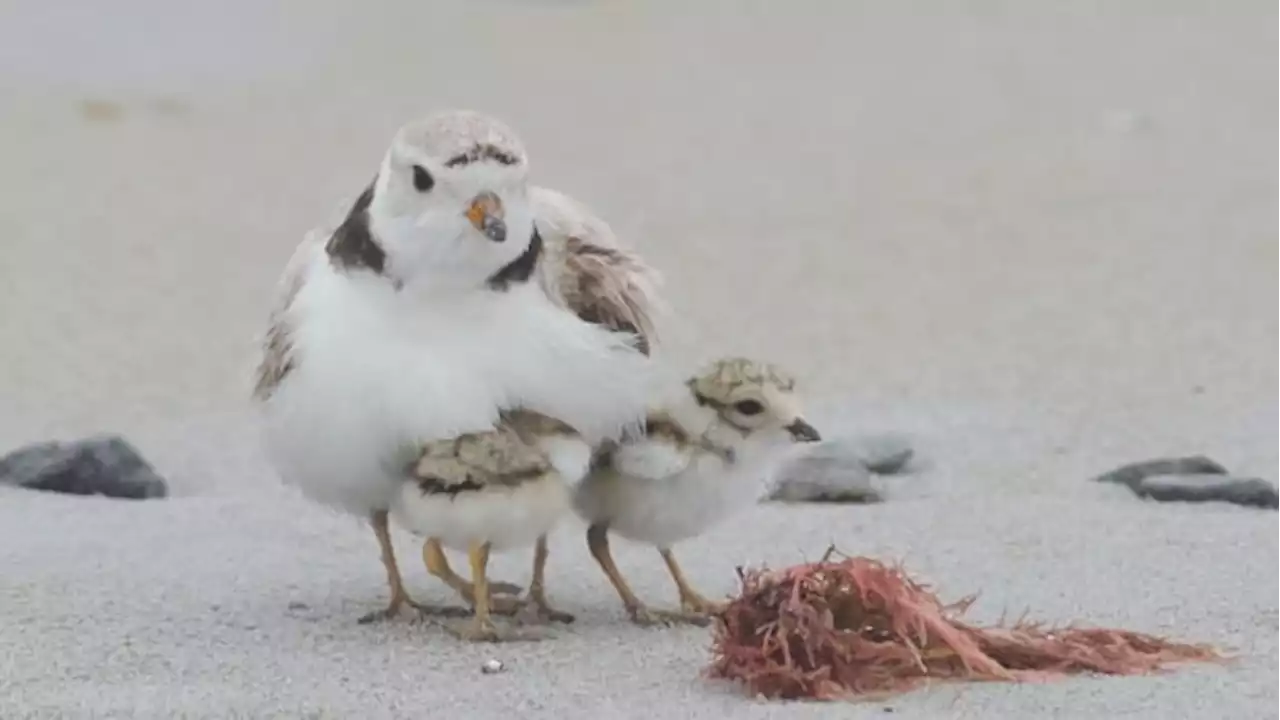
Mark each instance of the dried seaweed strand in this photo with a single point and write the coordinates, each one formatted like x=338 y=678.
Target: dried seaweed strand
x=852 y=626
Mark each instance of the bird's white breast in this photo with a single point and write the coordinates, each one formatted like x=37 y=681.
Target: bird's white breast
x=378 y=371
x=366 y=387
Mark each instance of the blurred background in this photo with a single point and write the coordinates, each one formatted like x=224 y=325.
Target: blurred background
x=1059 y=208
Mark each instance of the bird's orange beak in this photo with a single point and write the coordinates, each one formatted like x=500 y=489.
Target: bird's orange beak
x=486 y=215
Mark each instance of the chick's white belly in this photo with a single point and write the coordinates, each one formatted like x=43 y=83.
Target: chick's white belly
x=660 y=512
x=506 y=518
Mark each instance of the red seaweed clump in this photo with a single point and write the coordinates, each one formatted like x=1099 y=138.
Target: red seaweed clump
x=844 y=628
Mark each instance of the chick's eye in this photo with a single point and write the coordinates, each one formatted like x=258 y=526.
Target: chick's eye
x=748 y=407
x=422 y=180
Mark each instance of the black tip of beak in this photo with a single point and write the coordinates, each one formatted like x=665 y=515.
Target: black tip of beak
x=495 y=229
x=802 y=431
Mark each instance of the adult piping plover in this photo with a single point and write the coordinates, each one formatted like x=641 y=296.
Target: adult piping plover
x=492 y=491
x=414 y=319
x=702 y=457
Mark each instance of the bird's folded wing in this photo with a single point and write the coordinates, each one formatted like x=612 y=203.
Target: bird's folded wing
x=564 y=448
x=664 y=450
x=590 y=272
x=477 y=461
x=531 y=425
x=276 y=358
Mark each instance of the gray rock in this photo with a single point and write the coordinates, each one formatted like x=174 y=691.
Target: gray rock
x=101 y=465
x=1133 y=474
x=1209 y=487
x=823 y=474
x=881 y=454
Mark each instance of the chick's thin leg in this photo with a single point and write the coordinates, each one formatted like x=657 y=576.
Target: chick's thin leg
x=438 y=565
x=535 y=608
x=399 y=598
x=481 y=628
x=640 y=614
x=691 y=601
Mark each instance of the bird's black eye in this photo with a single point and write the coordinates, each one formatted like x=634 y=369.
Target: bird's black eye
x=422 y=180
x=748 y=407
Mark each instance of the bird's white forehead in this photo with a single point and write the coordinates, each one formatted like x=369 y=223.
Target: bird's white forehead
x=461 y=137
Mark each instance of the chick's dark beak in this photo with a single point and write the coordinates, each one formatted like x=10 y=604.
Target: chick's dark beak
x=485 y=214
x=802 y=431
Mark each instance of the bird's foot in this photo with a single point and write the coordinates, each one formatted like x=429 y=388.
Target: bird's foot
x=504 y=588
x=404 y=605
x=449 y=611
x=497 y=590
x=645 y=616
x=698 y=605
x=536 y=611
x=486 y=631
x=528 y=610
x=377 y=616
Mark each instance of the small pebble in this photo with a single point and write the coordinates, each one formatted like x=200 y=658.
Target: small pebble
x=1249 y=492
x=99 y=465
x=830 y=471
x=1133 y=474
x=831 y=489
x=97 y=110
x=883 y=454
x=492 y=667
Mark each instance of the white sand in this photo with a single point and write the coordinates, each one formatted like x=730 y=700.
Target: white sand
x=1042 y=242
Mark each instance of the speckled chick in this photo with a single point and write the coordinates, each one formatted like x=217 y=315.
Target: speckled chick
x=701 y=458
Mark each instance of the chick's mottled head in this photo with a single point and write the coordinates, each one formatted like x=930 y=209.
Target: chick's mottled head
x=753 y=397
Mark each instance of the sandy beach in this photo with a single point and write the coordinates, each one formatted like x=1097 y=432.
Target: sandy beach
x=1038 y=242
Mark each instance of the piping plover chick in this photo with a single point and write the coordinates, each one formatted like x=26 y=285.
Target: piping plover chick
x=493 y=491
x=701 y=458
x=434 y=305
